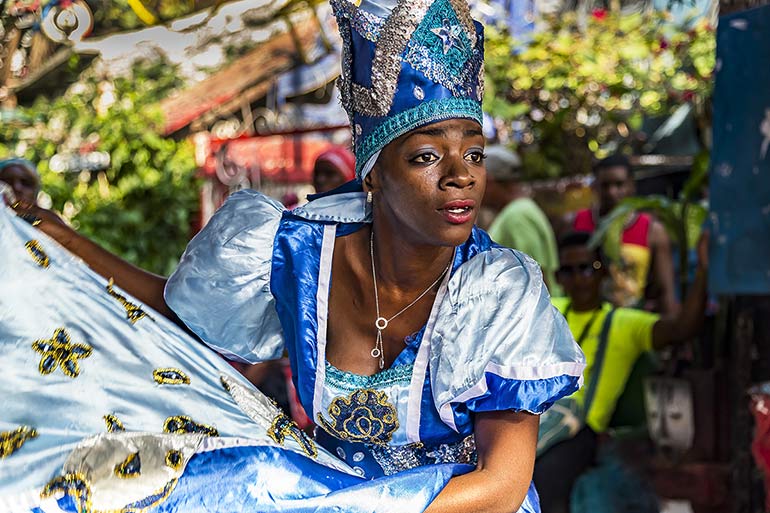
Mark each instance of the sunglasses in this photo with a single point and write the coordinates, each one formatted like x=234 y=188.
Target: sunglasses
x=586 y=269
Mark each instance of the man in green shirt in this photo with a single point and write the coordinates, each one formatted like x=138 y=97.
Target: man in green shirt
x=629 y=334
x=520 y=223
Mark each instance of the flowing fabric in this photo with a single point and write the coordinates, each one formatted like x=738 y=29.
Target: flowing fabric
x=108 y=406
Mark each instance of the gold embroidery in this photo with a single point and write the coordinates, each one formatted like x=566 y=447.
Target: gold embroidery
x=153 y=500
x=174 y=459
x=169 y=376
x=130 y=467
x=283 y=426
x=75 y=485
x=182 y=424
x=113 y=423
x=363 y=416
x=58 y=351
x=134 y=313
x=11 y=441
x=36 y=250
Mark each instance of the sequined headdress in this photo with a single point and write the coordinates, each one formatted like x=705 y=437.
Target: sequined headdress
x=405 y=64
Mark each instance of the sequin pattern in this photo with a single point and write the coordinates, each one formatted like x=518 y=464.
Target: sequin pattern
x=169 y=376
x=283 y=426
x=75 y=485
x=36 y=251
x=425 y=113
x=395 y=459
x=11 y=441
x=129 y=468
x=152 y=500
x=114 y=425
x=363 y=416
x=442 y=48
x=182 y=424
x=350 y=382
x=58 y=351
x=174 y=459
x=134 y=312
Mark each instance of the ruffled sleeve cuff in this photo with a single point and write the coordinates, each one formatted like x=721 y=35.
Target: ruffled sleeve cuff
x=500 y=344
x=221 y=289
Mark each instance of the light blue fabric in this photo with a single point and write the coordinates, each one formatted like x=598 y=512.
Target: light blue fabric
x=223 y=289
x=42 y=289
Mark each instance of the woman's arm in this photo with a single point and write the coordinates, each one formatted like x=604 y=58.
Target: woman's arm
x=506 y=443
x=143 y=285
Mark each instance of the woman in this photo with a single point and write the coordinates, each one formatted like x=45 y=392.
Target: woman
x=332 y=168
x=419 y=348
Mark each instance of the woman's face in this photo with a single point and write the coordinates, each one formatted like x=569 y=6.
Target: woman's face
x=428 y=184
x=24 y=182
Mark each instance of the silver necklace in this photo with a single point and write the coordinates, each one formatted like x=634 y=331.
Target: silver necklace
x=381 y=323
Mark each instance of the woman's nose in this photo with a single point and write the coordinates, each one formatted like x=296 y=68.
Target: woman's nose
x=458 y=174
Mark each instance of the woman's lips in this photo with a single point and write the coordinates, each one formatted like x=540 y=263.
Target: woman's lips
x=458 y=212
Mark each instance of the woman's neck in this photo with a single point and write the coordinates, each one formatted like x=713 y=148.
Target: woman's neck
x=406 y=266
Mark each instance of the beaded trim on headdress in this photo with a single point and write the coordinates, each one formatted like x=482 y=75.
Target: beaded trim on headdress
x=421 y=63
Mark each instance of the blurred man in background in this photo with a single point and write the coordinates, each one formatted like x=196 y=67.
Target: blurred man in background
x=519 y=223
x=644 y=275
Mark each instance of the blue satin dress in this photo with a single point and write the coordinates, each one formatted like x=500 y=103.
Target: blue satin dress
x=108 y=406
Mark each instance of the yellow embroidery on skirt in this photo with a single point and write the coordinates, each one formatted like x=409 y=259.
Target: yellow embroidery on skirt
x=75 y=485
x=58 y=351
x=182 y=424
x=114 y=424
x=174 y=459
x=363 y=416
x=130 y=467
x=170 y=376
x=11 y=441
x=283 y=426
x=134 y=312
x=36 y=250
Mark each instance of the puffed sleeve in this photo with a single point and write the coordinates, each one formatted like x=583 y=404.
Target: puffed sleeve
x=221 y=289
x=498 y=343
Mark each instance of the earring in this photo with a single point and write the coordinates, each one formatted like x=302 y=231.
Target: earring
x=369 y=197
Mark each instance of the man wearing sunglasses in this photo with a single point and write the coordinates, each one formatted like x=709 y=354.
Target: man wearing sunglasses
x=628 y=334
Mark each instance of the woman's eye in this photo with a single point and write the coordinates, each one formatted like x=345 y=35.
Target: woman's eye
x=424 y=158
x=476 y=157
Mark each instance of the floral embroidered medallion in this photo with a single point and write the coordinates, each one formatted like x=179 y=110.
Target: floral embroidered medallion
x=174 y=459
x=169 y=376
x=283 y=426
x=130 y=467
x=75 y=485
x=11 y=441
x=134 y=313
x=58 y=351
x=114 y=425
x=363 y=416
x=182 y=424
x=36 y=250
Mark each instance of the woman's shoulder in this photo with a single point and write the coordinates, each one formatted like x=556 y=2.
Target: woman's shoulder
x=485 y=265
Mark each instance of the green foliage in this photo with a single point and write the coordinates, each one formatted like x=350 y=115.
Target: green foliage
x=142 y=206
x=588 y=81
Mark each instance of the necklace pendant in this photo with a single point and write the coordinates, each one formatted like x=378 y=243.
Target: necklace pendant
x=381 y=323
x=376 y=352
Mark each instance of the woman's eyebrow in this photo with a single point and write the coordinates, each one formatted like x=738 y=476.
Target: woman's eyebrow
x=426 y=131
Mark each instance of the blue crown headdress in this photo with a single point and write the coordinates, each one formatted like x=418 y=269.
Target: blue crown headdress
x=405 y=66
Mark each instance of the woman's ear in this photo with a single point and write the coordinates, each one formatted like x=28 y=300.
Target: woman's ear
x=370 y=180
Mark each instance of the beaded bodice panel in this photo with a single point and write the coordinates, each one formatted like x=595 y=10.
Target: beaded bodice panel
x=362 y=421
